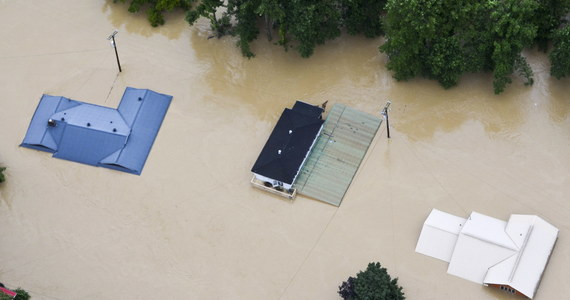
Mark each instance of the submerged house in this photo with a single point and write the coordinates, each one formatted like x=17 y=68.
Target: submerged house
x=118 y=139
x=288 y=146
x=511 y=256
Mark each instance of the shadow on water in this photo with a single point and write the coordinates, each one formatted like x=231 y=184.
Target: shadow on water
x=137 y=23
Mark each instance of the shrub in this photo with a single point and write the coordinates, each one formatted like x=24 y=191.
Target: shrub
x=2 y=178
x=21 y=295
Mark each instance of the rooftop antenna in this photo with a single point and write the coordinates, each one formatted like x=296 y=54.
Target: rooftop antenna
x=384 y=113
x=114 y=45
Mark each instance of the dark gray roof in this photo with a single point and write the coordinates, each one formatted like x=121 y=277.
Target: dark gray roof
x=289 y=143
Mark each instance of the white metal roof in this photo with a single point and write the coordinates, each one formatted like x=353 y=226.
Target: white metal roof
x=524 y=271
x=439 y=235
x=489 y=230
x=486 y=250
x=472 y=257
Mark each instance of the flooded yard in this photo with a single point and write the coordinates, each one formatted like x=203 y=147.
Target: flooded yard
x=192 y=227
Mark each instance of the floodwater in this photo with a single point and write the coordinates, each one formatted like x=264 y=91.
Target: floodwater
x=192 y=227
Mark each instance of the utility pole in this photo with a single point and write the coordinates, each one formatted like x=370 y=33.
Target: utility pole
x=384 y=112
x=114 y=45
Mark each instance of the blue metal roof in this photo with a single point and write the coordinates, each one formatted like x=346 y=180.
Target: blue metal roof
x=118 y=139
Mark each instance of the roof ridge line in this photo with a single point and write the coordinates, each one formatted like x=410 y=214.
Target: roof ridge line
x=521 y=251
x=489 y=241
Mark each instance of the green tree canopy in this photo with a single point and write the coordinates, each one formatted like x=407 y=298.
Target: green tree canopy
x=363 y=16
x=560 y=55
x=442 y=39
x=548 y=17
x=301 y=24
x=372 y=284
x=155 y=8
x=436 y=39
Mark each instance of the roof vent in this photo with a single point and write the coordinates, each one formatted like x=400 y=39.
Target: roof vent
x=290 y=131
x=88 y=124
x=279 y=151
x=114 y=129
x=51 y=123
x=140 y=98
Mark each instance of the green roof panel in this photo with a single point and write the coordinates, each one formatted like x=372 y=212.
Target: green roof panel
x=337 y=154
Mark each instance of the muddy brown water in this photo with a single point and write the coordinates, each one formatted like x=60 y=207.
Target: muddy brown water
x=192 y=227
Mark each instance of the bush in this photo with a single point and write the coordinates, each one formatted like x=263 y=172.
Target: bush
x=372 y=284
x=21 y=295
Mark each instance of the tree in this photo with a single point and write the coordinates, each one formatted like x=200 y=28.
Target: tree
x=436 y=39
x=560 y=54
x=421 y=40
x=513 y=31
x=209 y=9
x=373 y=284
x=442 y=39
x=2 y=178
x=302 y=24
x=246 y=29
x=363 y=16
x=548 y=17
x=155 y=8
x=273 y=14
x=310 y=23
